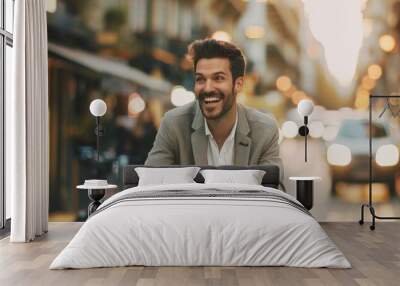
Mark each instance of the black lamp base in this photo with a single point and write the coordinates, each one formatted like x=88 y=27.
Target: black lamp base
x=95 y=195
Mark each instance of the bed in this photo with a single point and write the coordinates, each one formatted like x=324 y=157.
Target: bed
x=201 y=224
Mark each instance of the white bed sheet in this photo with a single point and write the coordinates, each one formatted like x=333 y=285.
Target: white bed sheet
x=200 y=231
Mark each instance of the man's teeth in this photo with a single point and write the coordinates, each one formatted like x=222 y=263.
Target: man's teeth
x=211 y=99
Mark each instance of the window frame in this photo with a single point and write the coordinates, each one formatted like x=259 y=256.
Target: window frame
x=6 y=39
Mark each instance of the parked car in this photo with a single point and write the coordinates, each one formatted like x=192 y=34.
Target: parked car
x=348 y=155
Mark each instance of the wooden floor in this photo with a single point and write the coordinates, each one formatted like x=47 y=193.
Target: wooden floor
x=374 y=255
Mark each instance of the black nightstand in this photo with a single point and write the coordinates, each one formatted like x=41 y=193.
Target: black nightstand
x=304 y=190
x=95 y=193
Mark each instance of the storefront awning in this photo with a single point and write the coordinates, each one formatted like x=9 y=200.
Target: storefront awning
x=111 y=67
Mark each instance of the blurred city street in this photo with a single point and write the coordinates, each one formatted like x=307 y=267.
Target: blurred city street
x=133 y=55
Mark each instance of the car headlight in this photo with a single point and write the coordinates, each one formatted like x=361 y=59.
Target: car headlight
x=387 y=155
x=339 y=155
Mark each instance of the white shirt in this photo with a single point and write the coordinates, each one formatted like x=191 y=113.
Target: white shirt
x=225 y=156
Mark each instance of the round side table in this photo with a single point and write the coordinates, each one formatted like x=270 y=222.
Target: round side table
x=95 y=194
x=304 y=190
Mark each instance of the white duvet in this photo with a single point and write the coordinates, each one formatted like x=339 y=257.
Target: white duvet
x=200 y=231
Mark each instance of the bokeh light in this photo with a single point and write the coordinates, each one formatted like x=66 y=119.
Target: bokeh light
x=362 y=99
x=338 y=155
x=330 y=132
x=222 y=36
x=368 y=83
x=136 y=104
x=297 y=96
x=387 y=155
x=387 y=43
x=375 y=71
x=289 y=129
x=283 y=83
x=180 y=96
x=316 y=129
x=254 y=32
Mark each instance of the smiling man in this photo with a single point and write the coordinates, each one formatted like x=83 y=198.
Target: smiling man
x=215 y=129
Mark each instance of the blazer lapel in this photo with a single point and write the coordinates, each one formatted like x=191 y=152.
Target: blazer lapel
x=242 y=141
x=199 y=146
x=199 y=139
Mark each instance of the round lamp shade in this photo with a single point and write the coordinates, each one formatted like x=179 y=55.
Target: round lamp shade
x=98 y=107
x=305 y=107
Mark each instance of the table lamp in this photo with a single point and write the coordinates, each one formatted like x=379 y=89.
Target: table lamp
x=305 y=108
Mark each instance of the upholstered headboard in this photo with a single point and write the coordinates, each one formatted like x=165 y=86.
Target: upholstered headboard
x=271 y=178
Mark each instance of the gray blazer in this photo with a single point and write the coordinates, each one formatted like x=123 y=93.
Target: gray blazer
x=181 y=139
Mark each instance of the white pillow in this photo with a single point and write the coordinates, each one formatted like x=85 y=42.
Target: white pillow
x=163 y=176
x=249 y=177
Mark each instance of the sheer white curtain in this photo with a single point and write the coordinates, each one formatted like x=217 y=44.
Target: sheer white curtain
x=27 y=124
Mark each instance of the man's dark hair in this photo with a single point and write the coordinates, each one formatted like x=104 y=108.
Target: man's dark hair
x=211 y=48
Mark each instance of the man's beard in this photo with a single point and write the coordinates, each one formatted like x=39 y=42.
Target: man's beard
x=227 y=101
